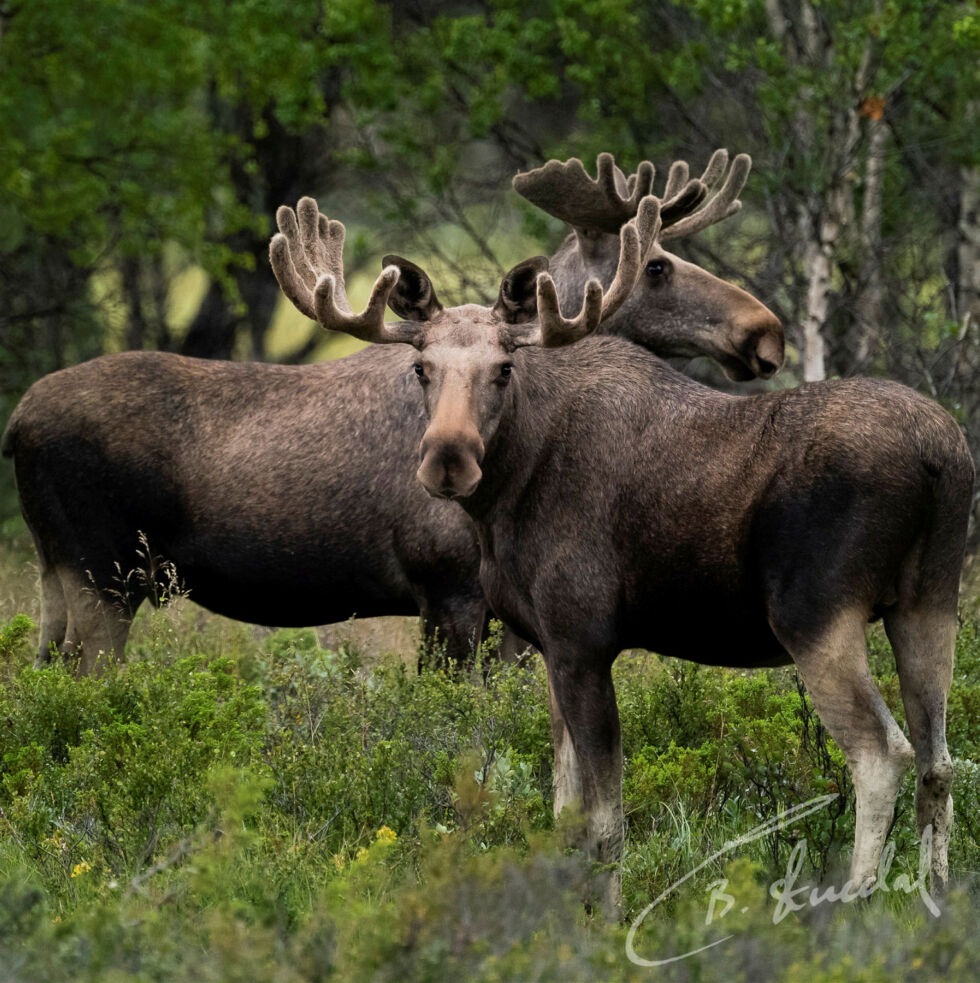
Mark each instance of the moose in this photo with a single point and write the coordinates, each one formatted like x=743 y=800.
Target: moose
x=620 y=504
x=284 y=495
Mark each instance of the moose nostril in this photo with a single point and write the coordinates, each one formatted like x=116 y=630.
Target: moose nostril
x=767 y=368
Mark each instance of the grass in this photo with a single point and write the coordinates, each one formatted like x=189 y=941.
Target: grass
x=231 y=805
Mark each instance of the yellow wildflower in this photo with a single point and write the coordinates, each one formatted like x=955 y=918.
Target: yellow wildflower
x=386 y=835
x=79 y=869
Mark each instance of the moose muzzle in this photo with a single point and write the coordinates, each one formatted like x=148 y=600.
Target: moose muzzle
x=450 y=464
x=767 y=349
x=760 y=350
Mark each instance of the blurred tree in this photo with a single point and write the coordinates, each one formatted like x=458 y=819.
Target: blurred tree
x=141 y=137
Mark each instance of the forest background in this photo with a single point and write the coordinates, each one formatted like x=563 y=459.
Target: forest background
x=146 y=146
x=230 y=804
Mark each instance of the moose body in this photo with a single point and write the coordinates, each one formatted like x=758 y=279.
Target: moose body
x=619 y=504
x=627 y=506
x=284 y=495
x=271 y=505
x=623 y=505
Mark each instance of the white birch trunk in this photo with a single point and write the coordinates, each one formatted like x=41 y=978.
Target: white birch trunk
x=968 y=248
x=869 y=306
x=816 y=264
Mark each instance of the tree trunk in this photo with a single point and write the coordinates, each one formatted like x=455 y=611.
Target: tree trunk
x=129 y=268
x=212 y=332
x=816 y=265
x=968 y=247
x=967 y=312
x=867 y=325
x=827 y=212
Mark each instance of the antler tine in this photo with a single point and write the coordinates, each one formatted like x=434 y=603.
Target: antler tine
x=716 y=168
x=719 y=204
x=564 y=189
x=296 y=276
x=677 y=178
x=369 y=324
x=635 y=241
x=307 y=259
x=555 y=330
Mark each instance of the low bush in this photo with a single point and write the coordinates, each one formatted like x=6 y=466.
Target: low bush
x=223 y=807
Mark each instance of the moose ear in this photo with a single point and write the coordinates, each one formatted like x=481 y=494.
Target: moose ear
x=517 y=302
x=413 y=297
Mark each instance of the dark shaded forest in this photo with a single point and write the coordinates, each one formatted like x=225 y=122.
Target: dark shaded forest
x=146 y=146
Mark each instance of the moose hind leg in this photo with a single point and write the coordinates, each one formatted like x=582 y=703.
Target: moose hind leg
x=452 y=629
x=98 y=625
x=923 y=640
x=834 y=668
x=54 y=616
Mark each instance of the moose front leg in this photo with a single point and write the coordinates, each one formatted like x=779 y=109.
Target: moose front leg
x=567 y=780
x=589 y=761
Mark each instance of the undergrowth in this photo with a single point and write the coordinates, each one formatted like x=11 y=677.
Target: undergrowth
x=226 y=808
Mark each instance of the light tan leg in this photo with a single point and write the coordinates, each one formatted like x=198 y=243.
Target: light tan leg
x=589 y=762
x=834 y=668
x=54 y=616
x=567 y=780
x=924 y=641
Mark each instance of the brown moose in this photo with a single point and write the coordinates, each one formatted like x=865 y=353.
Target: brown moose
x=285 y=495
x=620 y=504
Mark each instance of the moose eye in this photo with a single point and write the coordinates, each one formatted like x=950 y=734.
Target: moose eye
x=656 y=268
x=505 y=370
x=419 y=371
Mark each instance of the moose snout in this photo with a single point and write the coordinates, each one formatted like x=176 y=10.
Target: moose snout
x=769 y=351
x=763 y=350
x=450 y=464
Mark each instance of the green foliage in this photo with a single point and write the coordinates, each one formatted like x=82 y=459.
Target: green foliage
x=109 y=134
x=15 y=638
x=274 y=810
x=96 y=772
x=361 y=750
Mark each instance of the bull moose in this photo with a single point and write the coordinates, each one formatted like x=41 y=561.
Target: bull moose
x=284 y=495
x=620 y=504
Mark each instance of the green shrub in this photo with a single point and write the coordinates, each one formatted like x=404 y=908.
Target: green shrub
x=101 y=771
x=223 y=808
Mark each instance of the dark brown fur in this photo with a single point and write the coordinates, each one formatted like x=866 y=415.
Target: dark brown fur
x=282 y=496
x=623 y=505
x=273 y=507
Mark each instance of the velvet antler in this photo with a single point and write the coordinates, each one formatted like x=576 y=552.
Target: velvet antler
x=720 y=201
x=564 y=189
x=552 y=329
x=307 y=257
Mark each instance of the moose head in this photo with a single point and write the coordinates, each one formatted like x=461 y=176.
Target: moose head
x=465 y=363
x=676 y=308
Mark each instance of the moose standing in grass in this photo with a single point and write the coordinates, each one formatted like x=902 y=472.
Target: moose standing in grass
x=619 y=504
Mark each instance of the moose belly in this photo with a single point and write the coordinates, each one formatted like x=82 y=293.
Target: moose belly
x=291 y=584
x=718 y=631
